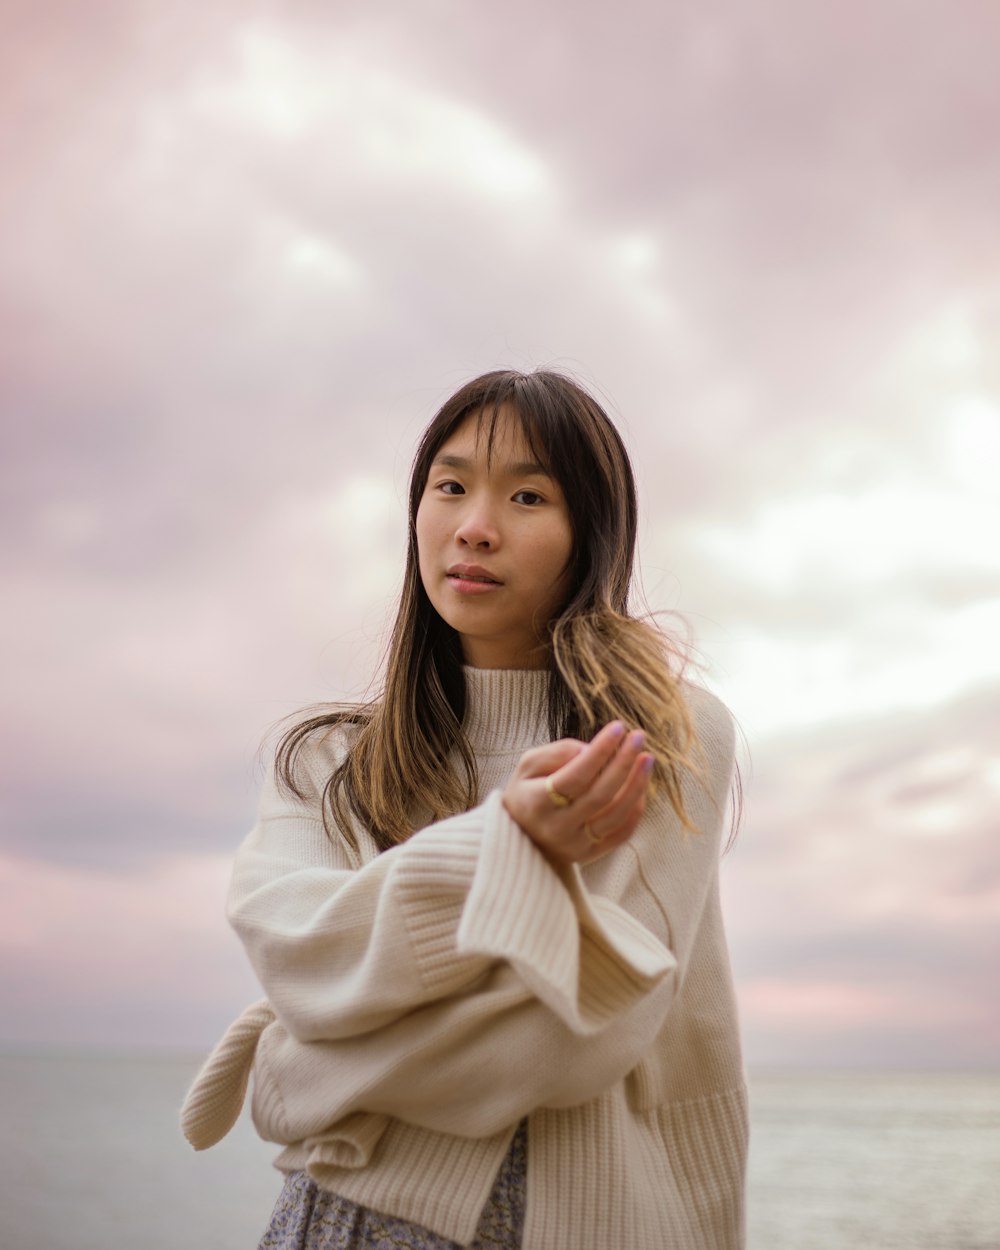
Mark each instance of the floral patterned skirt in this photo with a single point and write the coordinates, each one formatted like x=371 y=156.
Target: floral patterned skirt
x=308 y=1218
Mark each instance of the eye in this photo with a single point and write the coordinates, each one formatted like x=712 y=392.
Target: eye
x=528 y=497
x=451 y=488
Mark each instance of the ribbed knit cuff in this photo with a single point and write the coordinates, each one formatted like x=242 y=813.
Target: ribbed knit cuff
x=215 y=1099
x=433 y=873
x=585 y=958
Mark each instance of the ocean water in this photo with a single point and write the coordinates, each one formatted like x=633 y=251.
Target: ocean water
x=875 y=1162
x=91 y=1158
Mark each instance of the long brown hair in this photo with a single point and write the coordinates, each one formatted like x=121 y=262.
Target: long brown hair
x=605 y=664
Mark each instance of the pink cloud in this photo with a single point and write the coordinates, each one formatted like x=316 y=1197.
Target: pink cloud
x=97 y=958
x=805 y=1006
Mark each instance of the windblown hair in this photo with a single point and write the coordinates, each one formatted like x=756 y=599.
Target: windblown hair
x=605 y=663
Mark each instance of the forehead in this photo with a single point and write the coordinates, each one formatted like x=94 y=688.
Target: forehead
x=491 y=436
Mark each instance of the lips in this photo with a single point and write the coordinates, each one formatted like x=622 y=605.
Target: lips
x=473 y=573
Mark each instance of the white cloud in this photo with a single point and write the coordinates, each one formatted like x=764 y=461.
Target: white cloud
x=368 y=119
x=316 y=257
x=973 y=437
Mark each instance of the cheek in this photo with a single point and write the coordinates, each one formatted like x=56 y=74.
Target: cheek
x=423 y=544
x=550 y=561
x=561 y=551
x=422 y=527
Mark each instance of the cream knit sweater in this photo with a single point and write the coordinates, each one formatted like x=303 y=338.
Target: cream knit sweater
x=422 y=1001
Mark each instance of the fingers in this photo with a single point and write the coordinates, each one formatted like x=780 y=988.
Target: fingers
x=616 y=823
x=595 y=776
x=617 y=772
x=625 y=805
x=577 y=800
x=576 y=777
x=599 y=844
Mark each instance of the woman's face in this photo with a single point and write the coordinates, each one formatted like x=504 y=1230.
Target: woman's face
x=494 y=545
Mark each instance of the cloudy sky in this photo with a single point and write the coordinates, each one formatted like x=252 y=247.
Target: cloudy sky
x=247 y=249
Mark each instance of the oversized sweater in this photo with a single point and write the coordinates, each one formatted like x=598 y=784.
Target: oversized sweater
x=421 y=1001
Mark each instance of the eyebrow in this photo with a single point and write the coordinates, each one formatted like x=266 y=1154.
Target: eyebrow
x=519 y=468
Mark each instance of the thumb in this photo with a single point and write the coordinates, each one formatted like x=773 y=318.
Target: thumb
x=541 y=761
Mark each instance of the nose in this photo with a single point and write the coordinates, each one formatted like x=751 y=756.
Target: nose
x=477 y=527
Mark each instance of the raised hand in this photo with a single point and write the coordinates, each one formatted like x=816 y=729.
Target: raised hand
x=577 y=801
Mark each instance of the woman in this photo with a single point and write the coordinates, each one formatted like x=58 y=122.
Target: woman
x=484 y=906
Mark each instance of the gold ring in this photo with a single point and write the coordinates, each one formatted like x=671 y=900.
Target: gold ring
x=560 y=800
x=593 y=838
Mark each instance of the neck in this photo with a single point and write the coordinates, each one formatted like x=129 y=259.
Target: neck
x=483 y=656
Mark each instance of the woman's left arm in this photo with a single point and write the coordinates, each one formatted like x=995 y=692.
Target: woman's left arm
x=476 y=1062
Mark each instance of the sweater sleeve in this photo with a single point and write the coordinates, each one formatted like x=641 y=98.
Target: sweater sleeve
x=458 y=981
x=552 y=1026
x=344 y=951
x=470 y=1065
x=549 y=1025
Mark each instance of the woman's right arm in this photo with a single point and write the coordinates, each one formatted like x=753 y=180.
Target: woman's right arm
x=507 y=941
x=343 y=950
x=529 y=983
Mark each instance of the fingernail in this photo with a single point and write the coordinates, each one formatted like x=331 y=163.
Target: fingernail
x=616 y=728
x=637 y=739
x=647 y=765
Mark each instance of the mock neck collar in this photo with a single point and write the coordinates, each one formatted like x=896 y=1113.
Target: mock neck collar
x=506 y=709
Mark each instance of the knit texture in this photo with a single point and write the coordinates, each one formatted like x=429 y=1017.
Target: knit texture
x=422 y=1001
